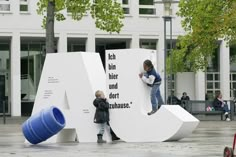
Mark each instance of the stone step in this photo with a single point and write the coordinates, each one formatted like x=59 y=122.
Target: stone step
x=13 y=120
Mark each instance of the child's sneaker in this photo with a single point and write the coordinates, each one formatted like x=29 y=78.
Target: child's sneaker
x=152 y=112
x=226 y=113
x=228 y=119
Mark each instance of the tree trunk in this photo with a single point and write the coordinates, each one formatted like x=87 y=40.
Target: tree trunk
x=50 y=47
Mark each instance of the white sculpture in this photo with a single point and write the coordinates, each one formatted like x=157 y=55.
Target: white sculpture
x=130 y=102
x=69 y=81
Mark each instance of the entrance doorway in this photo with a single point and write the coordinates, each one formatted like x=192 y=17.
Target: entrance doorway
x=32 y=59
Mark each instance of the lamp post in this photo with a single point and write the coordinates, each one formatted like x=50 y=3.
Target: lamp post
x=167 y=17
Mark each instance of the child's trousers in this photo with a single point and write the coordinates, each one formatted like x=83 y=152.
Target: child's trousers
x=155 y=95
x=102 y=128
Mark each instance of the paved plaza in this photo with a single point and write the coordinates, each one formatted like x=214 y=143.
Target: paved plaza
x=209 y=140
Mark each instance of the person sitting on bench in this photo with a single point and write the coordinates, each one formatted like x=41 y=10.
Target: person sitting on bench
x=219 y=105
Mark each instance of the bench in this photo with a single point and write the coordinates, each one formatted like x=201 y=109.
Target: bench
x=198 y=107
x=221 y=113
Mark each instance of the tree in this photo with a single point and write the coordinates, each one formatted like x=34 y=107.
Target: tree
x=205 y=22
x=108 y=15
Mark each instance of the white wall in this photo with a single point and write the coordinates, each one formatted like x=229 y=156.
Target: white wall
x=30 y=23
x=185 y=82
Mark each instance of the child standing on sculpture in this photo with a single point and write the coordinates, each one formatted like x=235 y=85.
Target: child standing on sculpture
x=152 y=79
x=102 y=116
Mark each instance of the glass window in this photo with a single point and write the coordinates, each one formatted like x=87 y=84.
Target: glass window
x=4 y=47
x=125 y=1
x=4 y=78
x=32 y=60
x=76 y=45
x=234 y=77
x=234 y=85
x=217 y=77
x=5 y=5
x=125 y=6
x=213 y=65
x=76 y=48
x=212 y=82
x=31 y=67
x=233 y=70
x=210 y=95
x=146 y=11
x=146 y=2
x=217 y=85
x=148 y=44
x=146 y=7
x=209 y=85
x=209 y=77
x=24 y=6
x=233 y=58
x=126 y=10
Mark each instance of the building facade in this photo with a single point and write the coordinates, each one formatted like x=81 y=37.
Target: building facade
x=22 y=49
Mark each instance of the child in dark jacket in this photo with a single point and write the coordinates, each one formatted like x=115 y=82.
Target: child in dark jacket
x=102 y=116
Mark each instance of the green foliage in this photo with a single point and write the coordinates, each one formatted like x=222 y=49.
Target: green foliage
x=205 y=22
x=108 y=14
x=78 y=8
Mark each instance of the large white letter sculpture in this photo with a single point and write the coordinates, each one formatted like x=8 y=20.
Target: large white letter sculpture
x=129 y=100
x=69 y=81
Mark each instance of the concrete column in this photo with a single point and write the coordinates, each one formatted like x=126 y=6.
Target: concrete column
x=161 y=60
x=134 y=9
x=62 y=43
x=161 y=64
x=91 y=43
x=200 y=86
x=15 y=7
x=15 y=75
x=135 y=41
x=224 y=70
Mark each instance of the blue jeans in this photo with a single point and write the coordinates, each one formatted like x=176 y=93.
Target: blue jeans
x=225 y=108
x=156 y=98
x=159 y=97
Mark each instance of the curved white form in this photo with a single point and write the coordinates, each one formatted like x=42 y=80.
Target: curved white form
x=169 y=123
x=130 y=101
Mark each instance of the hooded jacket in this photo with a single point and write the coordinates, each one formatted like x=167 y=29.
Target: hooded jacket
x=102 y=113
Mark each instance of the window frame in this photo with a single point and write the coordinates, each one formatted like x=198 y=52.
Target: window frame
x=26 y=3
x=147 y=7
x=6 y=3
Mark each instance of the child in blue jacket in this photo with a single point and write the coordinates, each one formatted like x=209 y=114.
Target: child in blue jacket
x=152 y=79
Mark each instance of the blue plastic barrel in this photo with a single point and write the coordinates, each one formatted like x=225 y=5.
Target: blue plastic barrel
x=43 y=125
